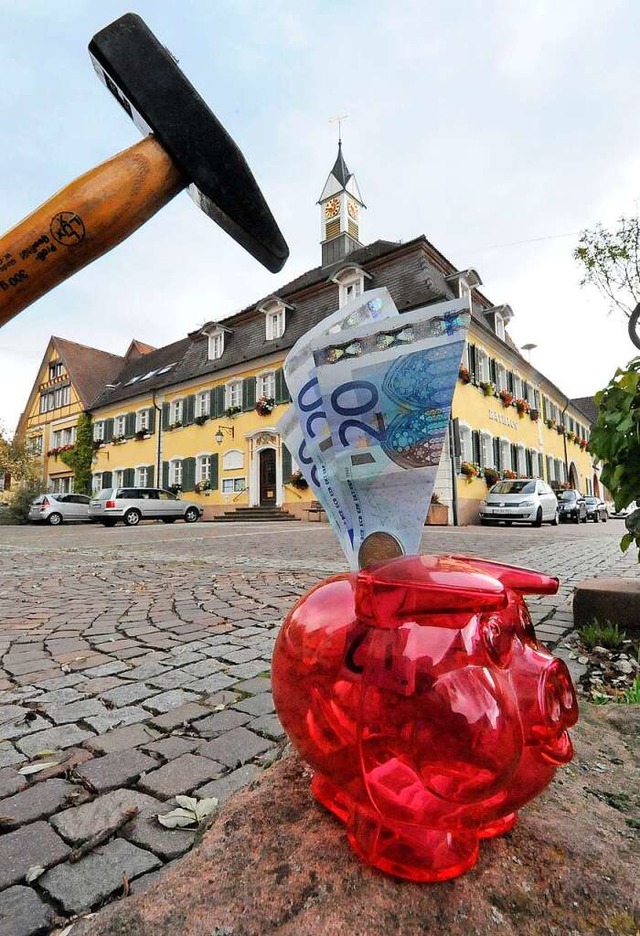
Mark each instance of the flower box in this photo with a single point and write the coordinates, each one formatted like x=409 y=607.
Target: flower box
x=521 y=405
x=488 y=388
x=506 y=397
x=464 y=374
x=470 y=470
x=265 y=406
x=298 y=480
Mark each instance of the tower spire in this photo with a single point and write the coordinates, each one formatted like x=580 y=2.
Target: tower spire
x=340 y=206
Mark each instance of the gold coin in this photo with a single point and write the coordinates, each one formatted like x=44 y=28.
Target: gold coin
x=377 y=547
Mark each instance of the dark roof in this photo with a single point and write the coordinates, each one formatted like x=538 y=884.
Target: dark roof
x=89 y=368
x=340 y=170
x=587 y=405
x=170 y=357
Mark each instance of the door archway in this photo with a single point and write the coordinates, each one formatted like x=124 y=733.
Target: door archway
x=573 y=477
x=267 y=477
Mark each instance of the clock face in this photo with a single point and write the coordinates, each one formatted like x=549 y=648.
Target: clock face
x=332 y=208
x=352 y=208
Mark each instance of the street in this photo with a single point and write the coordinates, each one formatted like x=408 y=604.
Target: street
x=136 y=662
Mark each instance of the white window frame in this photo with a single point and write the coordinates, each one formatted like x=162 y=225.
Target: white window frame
x=233 y=485
x=175 y=472
x=142 y=422
x=275 y=323
x=177 y=411
x=505 y=452
x=486 y=449
x=119 y=425
x=203 y=401
x=141 y=476
x=96 y=482
x=233 y=393
x=118 y=477
x=203 y=468
x=466 y=446
x=521 y=459
x=98 y=431
x=482 y=362
x=266 y=384
x=501 y=376
x=517 y=386
x=499 y=326
x=215 y=348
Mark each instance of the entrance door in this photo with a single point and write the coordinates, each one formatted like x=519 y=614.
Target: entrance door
x=268 y=478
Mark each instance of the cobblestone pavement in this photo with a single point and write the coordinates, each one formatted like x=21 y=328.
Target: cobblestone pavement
x=137 y=662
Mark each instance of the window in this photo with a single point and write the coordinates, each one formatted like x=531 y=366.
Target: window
x=486 y=450
x=177 y=409
x=175 y=472
x=34 y=445
x=482 y=373
x=216 y=345
x=98 y=431
x=551 y=475
x=499 y=326
x=233 y=393
x=505 y=453
x=203 y=468
x=501 y=376
x=55 y=370
x=119 y=425
x=63 y=437
x=142 y=421
x=61 y=485
x=233 y=485
x=466 y=451
x=96 y=483
x=521 y=462
x=275 y=324
x=62 y=397
x=517 y=386
x=142 y=476
x=202 y=403
x=266 y=385
x=118 y=477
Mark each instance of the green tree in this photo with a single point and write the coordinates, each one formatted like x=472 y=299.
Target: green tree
x=80 y=457
x=610 y=261
x=25 y=470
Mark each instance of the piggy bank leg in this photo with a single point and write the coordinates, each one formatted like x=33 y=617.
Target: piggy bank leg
x=410 y=852
x=499 y=826
x=331 y=796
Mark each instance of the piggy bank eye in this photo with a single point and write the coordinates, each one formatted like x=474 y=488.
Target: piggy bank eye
x=497 y=639
x=526 y=630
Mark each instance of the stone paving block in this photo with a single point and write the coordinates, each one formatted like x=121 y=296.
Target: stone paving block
x=62 y=682
x=34 y=678
x=10 y=782
x=101 y=684
x=9 y=756
x=214 y=725
x=166 y=701
x=178 y=717
x=261 y=704
x=58 y=697
x=247 y=670
x=83 y=822
x=223 y=788
x=128 y=694
x=76 y=711
x=107 y=669
x=235 y=747
x=19 y=694
x=26 y=666
x=223 y=698
x=89 y=662
x=172 y=679
x=127 y=715
x=27 y=724
x=203 y=668
x=122 y=739
x=255 y=685
x=183 y=657
x=53 y=739
x=170 y=748
x=80 y=886
x=167 y=843
x=180 y=776
x=210 y=683
x=145 y=671
x=241 y=655
x=268 y=725
x=40 y=800
x=35 y=844
x=115 y=770
x=23 y=913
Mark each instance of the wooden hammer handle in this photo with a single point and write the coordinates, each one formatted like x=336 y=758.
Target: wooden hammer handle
x=83 y=221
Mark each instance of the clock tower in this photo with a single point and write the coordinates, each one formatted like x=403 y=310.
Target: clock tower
x=340 y=206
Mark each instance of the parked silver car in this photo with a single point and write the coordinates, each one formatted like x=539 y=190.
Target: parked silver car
x=59 y=508
x=133 y=504
x=520 y=500
x=596 y=509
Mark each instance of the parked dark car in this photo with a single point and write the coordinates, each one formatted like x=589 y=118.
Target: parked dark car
x=596 y=509
x=572 y=507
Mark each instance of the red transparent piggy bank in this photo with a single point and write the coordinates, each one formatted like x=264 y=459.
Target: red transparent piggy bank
x=418 y=693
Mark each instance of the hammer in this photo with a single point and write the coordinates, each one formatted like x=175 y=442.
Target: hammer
x=185 y=146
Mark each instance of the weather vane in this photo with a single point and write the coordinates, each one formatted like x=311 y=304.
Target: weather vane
x=339 y=120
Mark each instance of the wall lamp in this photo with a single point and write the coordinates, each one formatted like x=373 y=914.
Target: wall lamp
x=219 y=436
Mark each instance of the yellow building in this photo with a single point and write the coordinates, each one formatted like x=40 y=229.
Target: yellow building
x=200 y=414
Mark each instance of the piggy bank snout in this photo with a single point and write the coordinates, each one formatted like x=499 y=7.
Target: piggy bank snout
x=559 y=711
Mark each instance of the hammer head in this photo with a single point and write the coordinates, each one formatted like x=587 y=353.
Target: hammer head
x=145 y=79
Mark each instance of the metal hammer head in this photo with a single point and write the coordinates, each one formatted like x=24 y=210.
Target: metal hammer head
x=145 y=79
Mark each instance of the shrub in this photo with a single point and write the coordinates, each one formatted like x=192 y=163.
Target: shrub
x=22 y=499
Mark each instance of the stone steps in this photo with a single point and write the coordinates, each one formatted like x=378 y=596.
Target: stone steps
x=255 y=514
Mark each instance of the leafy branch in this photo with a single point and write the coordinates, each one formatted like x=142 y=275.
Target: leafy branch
x=610 y=261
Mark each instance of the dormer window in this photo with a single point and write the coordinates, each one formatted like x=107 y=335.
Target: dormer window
x=275 y=321
x=351 y=283
x=464 y=282
x=499 y=326
x=216 y=346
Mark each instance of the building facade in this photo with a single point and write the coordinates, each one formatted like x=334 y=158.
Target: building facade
x=200 y=415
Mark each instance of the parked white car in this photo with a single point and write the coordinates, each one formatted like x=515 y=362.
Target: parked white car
x=55 y=509
x=131 y=505
x=520 y=500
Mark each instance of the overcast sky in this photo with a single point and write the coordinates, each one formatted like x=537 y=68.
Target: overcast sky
x=479 y=124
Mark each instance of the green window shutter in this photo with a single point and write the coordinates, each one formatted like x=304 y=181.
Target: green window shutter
x=130 y=426
x=213 y=471
x=108 y=433
x=128 y=477
x=248 y=394
x=217 y=401
x=150 y=474
x=166 y=418
x=151 y=421
x=188 y=474
x=189 y=410
x=165 y=475
x=472 y=361
x=106 y=479
x=282 y=391
x=286 y=463
x=493 y=371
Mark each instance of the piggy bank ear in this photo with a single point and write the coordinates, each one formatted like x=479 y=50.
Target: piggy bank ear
x=524 y=581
